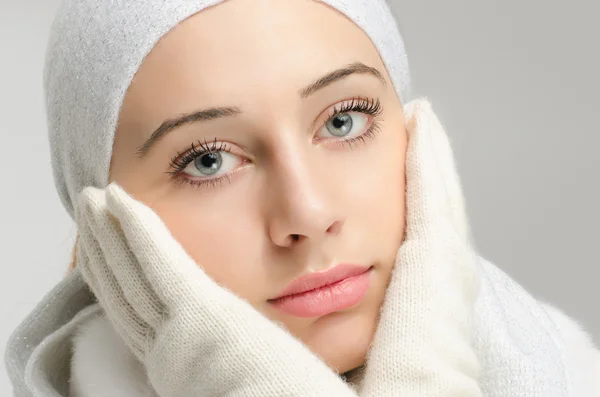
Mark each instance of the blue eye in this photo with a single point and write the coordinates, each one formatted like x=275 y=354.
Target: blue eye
x=212 y=164
x=209 y=163
x=345 y=125
x=205 y=163
x=351 y=120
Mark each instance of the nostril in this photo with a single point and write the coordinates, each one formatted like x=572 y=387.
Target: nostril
x=335 y=227
x=295 y=237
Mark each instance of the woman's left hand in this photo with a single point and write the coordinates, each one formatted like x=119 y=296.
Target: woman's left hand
x=422 y=346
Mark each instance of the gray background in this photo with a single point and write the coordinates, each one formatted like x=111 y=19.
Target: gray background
x=514 y=81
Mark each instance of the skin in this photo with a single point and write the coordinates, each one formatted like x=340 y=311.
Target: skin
x=297 y=199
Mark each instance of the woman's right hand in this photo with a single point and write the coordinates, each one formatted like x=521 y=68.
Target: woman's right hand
x=194 y=337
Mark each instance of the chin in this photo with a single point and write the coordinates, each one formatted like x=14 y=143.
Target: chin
x=342 y=339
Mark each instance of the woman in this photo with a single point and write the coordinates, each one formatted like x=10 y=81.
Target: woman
x=261 y=208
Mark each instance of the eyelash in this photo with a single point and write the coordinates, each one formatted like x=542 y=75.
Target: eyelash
x=370 y=107
x=199 y=148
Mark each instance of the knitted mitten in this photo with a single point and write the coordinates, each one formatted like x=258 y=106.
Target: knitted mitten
x=194 y=337
x=423 y=343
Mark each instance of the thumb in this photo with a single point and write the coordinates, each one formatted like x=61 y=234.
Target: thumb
x=433 y=186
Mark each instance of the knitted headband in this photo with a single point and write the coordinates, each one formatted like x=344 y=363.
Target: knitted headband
x=96 y=47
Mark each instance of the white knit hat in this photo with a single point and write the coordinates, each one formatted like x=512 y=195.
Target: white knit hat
x=96 y=47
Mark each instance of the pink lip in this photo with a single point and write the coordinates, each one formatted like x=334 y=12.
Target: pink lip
x=317 y=294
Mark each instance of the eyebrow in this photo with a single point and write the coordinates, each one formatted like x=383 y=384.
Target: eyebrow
x=229 y=111
x=332 y=77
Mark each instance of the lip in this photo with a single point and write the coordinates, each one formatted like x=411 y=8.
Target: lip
x=318 y=294
x=317 y=280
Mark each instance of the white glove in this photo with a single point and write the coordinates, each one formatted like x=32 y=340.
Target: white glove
x=423 y=343
x=194 y=337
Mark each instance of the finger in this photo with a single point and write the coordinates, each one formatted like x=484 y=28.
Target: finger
x=119 y=260
x=83 y=263
x=443 y=151
x=86 y=243
x=105 y=287
x=432 y=191
x=168 y=267
x=425 y=193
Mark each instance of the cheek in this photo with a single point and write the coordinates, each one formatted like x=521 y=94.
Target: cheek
x=217 y=241
x=379 y=205
x=379 y=189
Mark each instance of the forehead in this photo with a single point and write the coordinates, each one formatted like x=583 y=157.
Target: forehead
x=240 y=46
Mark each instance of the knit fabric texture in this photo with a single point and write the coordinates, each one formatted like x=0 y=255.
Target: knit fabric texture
x=95 y=49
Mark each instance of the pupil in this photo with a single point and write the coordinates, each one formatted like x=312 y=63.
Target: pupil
x=208 y=160
x=338 y=122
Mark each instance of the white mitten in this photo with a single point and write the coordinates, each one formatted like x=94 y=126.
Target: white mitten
x=194 y=337
x=423 y=343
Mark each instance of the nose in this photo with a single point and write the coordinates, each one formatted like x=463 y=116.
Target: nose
x=301 y=210
x=286 y=233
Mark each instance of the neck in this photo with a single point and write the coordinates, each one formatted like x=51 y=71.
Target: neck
x=354 y=376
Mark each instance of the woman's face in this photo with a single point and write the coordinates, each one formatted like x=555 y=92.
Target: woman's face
x=264 y=165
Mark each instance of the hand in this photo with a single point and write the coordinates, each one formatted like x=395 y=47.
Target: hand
x=194 y=337
x=422 y=346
